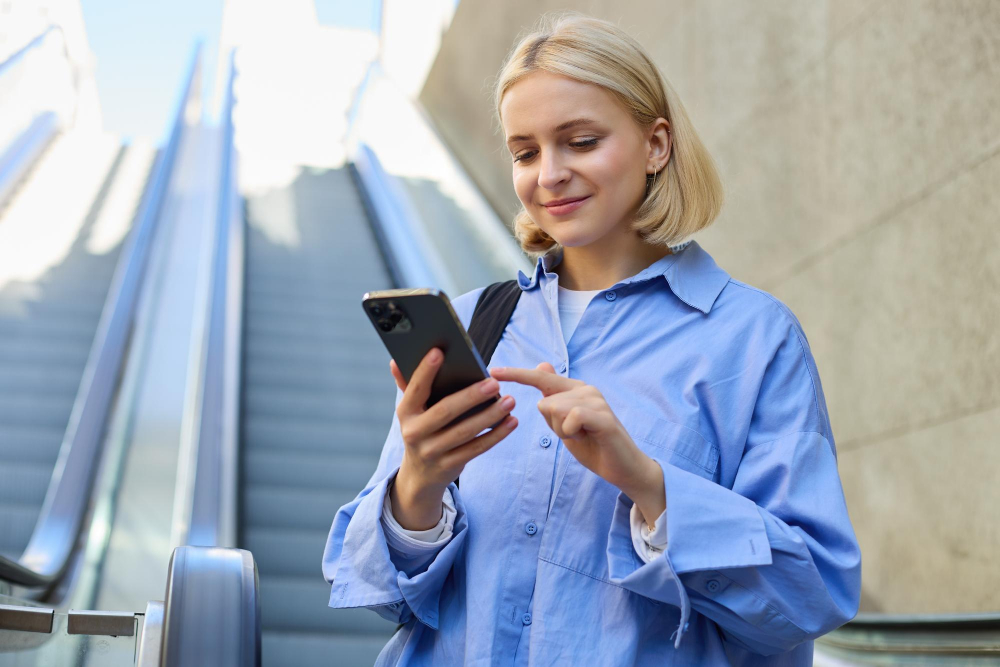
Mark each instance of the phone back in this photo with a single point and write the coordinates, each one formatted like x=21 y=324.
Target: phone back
x=411 y=322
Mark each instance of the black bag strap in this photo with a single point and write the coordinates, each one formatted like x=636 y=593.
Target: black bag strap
x=493 y=311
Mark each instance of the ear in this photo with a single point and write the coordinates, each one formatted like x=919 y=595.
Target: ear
x=660 y=141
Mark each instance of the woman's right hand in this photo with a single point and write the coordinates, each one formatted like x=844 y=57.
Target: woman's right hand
x=434 y=456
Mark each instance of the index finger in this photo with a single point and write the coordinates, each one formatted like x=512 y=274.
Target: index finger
x=418 y=390
x=547 y=383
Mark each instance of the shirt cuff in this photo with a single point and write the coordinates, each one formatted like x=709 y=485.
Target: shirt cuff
x=648 y=544
x=418 y=542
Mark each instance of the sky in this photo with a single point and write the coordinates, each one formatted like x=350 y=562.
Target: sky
x=143 y=49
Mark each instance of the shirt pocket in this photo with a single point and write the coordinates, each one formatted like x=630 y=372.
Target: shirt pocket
x=680 y=446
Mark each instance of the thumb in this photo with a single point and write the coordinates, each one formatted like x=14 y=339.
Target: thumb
x=547 y=367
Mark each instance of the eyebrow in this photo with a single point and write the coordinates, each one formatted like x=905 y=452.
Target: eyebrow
x=559 y=128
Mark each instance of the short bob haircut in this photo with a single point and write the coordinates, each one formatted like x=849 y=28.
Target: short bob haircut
x=689 y=196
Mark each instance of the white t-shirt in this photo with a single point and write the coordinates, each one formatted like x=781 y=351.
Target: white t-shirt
x=648 y=544
x=572 y=304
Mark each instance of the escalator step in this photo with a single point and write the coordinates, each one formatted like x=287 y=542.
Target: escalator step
x=285 y=552
x=35 y=410
x=301 y=604
x=29 y=444
x=347 y=437
x=284 y=507
x=309 y=371
x=18 y=321
x=308 y=469
x=294 y=649
x=312 y=380
x=34 y=350
x=332 y=356
x=16 y=525
x=339 y=405
x=53 y=380
x=24 y=483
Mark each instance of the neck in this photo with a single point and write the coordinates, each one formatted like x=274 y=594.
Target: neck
x=603 y=263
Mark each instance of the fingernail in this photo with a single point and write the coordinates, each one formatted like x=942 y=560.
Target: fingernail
x=507 y=403
x=489 y=386
x=436 y=355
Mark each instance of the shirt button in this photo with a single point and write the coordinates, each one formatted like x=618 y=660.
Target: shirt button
x=562 y=367
x=545 y=441
x=531 y=528
x=526 y=619
x=712 y=585
x=610 y=296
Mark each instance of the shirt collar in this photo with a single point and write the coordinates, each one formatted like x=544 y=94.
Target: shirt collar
x=690 y=271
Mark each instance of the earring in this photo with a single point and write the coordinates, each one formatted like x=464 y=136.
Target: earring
x=651 y=180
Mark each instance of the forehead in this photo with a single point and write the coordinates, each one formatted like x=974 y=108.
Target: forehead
x=542 y=100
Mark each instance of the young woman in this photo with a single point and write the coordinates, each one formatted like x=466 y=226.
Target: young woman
x=665 y=490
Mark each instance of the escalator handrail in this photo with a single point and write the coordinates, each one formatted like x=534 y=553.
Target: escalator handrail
x=66 y=501
x=412 y=258
x=405 y=237
x=13 y=59
x=17 y=157
x=212 y=520
x=917 y=635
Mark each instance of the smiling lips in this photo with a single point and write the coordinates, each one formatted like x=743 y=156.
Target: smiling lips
x=564 y=206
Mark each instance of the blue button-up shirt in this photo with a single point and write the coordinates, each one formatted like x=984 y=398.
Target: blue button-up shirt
x=715 y=381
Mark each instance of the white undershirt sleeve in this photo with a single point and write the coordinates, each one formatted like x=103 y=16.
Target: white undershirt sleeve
x=415 y=542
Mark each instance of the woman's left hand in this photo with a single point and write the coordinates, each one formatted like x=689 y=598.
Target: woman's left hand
x=578 y=413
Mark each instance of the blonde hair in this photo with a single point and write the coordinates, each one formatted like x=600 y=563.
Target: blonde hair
x=689 y=195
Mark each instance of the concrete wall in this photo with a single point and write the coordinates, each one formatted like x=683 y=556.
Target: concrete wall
x=859 y=144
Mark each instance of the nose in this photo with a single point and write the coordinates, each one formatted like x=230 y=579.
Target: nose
x=552 y=171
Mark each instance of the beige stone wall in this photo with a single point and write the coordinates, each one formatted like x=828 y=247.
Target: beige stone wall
x=859 y=143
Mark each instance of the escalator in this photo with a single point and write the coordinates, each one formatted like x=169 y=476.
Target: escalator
x=48 y=323
x=286 y=390
x=317 y=400
x=79 y=216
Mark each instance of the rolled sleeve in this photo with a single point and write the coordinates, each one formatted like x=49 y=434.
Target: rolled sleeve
x=771 y=558
x=364 y=571
x=412 y=550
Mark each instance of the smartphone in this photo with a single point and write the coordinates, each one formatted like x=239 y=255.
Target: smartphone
x=412 y=321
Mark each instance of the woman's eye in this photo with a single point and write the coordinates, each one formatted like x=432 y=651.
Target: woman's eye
x=578 y=144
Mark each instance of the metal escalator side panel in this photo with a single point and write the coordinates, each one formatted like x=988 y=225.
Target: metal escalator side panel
x=212 y=613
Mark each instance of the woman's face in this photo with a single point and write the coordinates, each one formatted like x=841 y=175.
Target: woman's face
x=580 y=160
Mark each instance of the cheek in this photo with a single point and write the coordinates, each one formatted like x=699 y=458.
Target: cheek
x=524 y=185
x=615 y=170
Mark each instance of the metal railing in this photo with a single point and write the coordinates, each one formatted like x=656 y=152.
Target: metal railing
x=410 y=256
x=18 y=156
x=927 y=639
x=436 y=230
x=66 y=500
x=213 y=504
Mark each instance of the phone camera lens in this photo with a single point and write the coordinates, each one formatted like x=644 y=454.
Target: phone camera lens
x=377 y=310
x=395 y=316
x=386 y=325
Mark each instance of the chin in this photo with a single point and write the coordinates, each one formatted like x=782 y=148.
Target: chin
x=575 y=238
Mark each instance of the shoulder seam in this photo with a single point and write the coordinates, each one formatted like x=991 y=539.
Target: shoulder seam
x=786 y=311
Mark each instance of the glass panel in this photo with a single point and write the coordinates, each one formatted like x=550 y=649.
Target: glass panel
x=60 y=649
